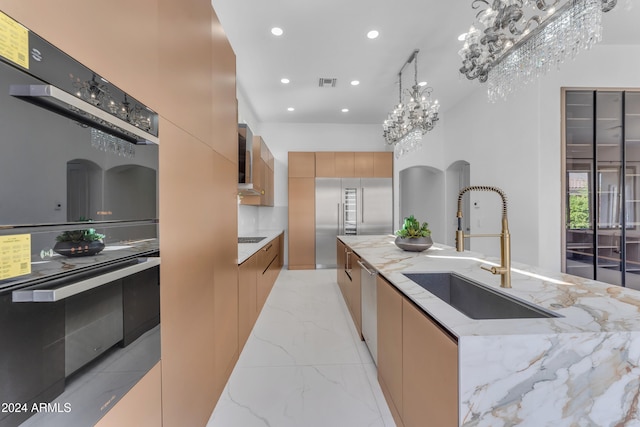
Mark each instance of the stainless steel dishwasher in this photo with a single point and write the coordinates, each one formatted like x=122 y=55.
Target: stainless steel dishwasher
x=369 y=309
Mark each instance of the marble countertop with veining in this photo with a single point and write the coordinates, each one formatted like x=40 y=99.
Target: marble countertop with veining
x=582 y=368
x=246 y=250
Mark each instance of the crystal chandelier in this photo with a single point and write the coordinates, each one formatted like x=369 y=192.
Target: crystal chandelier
x=513 y=42
x=111 y=144
x=409 y=121
x=97 y=93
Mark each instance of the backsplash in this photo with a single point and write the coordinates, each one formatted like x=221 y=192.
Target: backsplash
x=248 y=219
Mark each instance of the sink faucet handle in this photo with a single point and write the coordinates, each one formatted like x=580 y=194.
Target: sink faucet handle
x=491 y=269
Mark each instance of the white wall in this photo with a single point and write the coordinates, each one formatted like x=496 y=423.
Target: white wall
x=513 y=144
x=516 y=145
x=284 y=137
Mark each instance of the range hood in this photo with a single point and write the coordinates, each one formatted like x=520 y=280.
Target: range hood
x=245 y=161
x=65 y=104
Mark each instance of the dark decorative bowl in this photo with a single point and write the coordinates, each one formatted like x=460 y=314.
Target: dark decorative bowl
x=75 y=249
x=414 y=244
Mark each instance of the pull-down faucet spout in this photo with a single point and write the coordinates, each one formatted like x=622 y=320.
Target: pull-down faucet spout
x=505 y=240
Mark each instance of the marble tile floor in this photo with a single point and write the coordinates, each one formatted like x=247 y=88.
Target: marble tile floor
x=100 y=384
x=303 y=364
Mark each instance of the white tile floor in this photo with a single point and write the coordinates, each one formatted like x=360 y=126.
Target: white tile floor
x=303 y=365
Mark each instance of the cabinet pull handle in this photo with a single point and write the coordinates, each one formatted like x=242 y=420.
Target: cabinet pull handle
x=268 y=247
x=362 y=205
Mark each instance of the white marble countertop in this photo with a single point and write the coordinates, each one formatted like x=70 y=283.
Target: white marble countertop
x=579 y=369
x=246 y=250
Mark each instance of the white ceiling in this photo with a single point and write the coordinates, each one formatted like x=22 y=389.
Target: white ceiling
x=328 y=39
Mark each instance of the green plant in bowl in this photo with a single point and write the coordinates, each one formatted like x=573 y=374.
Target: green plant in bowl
x=86 y=235
x=413 y=229
x=414 y=236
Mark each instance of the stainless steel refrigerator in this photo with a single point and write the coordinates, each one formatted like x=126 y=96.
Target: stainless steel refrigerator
x=350 y=206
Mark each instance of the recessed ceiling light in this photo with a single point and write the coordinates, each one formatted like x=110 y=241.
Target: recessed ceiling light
x=373 y=34
x=462 y=36
x=345 y=110
x=355 y=83
x=422 y=84
x=290 y=109
x=284 y=81
x=276 y=31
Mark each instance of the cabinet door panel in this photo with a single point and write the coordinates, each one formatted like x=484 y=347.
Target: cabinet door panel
x=247 y=299
x=302 y=165
x=430 y=371
x=302 y=235
x=345 y=165
x=363 y=164
x=355 y=296
x=325 y=165
x=383 y=164
x=390 y=342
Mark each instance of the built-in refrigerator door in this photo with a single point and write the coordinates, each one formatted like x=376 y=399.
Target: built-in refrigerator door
x=328 y=220
x=376 y=200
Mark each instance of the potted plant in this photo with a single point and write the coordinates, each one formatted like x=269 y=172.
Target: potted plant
x=79 y=242
x=414 y=236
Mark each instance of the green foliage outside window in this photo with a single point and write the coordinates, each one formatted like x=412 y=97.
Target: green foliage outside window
x=579 y=210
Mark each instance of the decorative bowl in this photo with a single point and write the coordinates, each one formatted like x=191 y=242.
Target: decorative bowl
x=414 y=244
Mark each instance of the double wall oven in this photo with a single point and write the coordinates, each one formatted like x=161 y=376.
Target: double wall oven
x=79 y=248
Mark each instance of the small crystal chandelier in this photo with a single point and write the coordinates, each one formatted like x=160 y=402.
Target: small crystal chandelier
x=408 y=122
x=97 y=93
x=514 y=42
x=112 y=144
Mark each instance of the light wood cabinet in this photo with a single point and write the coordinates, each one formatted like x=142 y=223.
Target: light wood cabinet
x=354 y=292
x=302 y=164
x=383 y=164
x=348 y=277
x=256 y=277
x=345 y=164
x=247 y=298
x=268 y=268
x=390 y=346
x=429 y=371
x=417 y=362
x=363 y=164
x=262 y=175
x=325 y=164
x=225 y=270
x=302 y=233
x=341 y=251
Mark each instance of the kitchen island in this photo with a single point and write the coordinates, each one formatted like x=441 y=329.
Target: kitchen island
x=578 y=369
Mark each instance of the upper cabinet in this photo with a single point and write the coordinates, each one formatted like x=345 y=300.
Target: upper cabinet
x=325 y=164
x=361 y=164
x=383 y=164
x=259 y=164
x=302 y=164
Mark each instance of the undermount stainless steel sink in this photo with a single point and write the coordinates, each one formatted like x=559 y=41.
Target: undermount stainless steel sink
x=476 y=300
x=250 y=239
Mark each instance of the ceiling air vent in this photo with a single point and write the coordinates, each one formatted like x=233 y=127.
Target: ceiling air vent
x=325 y=82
